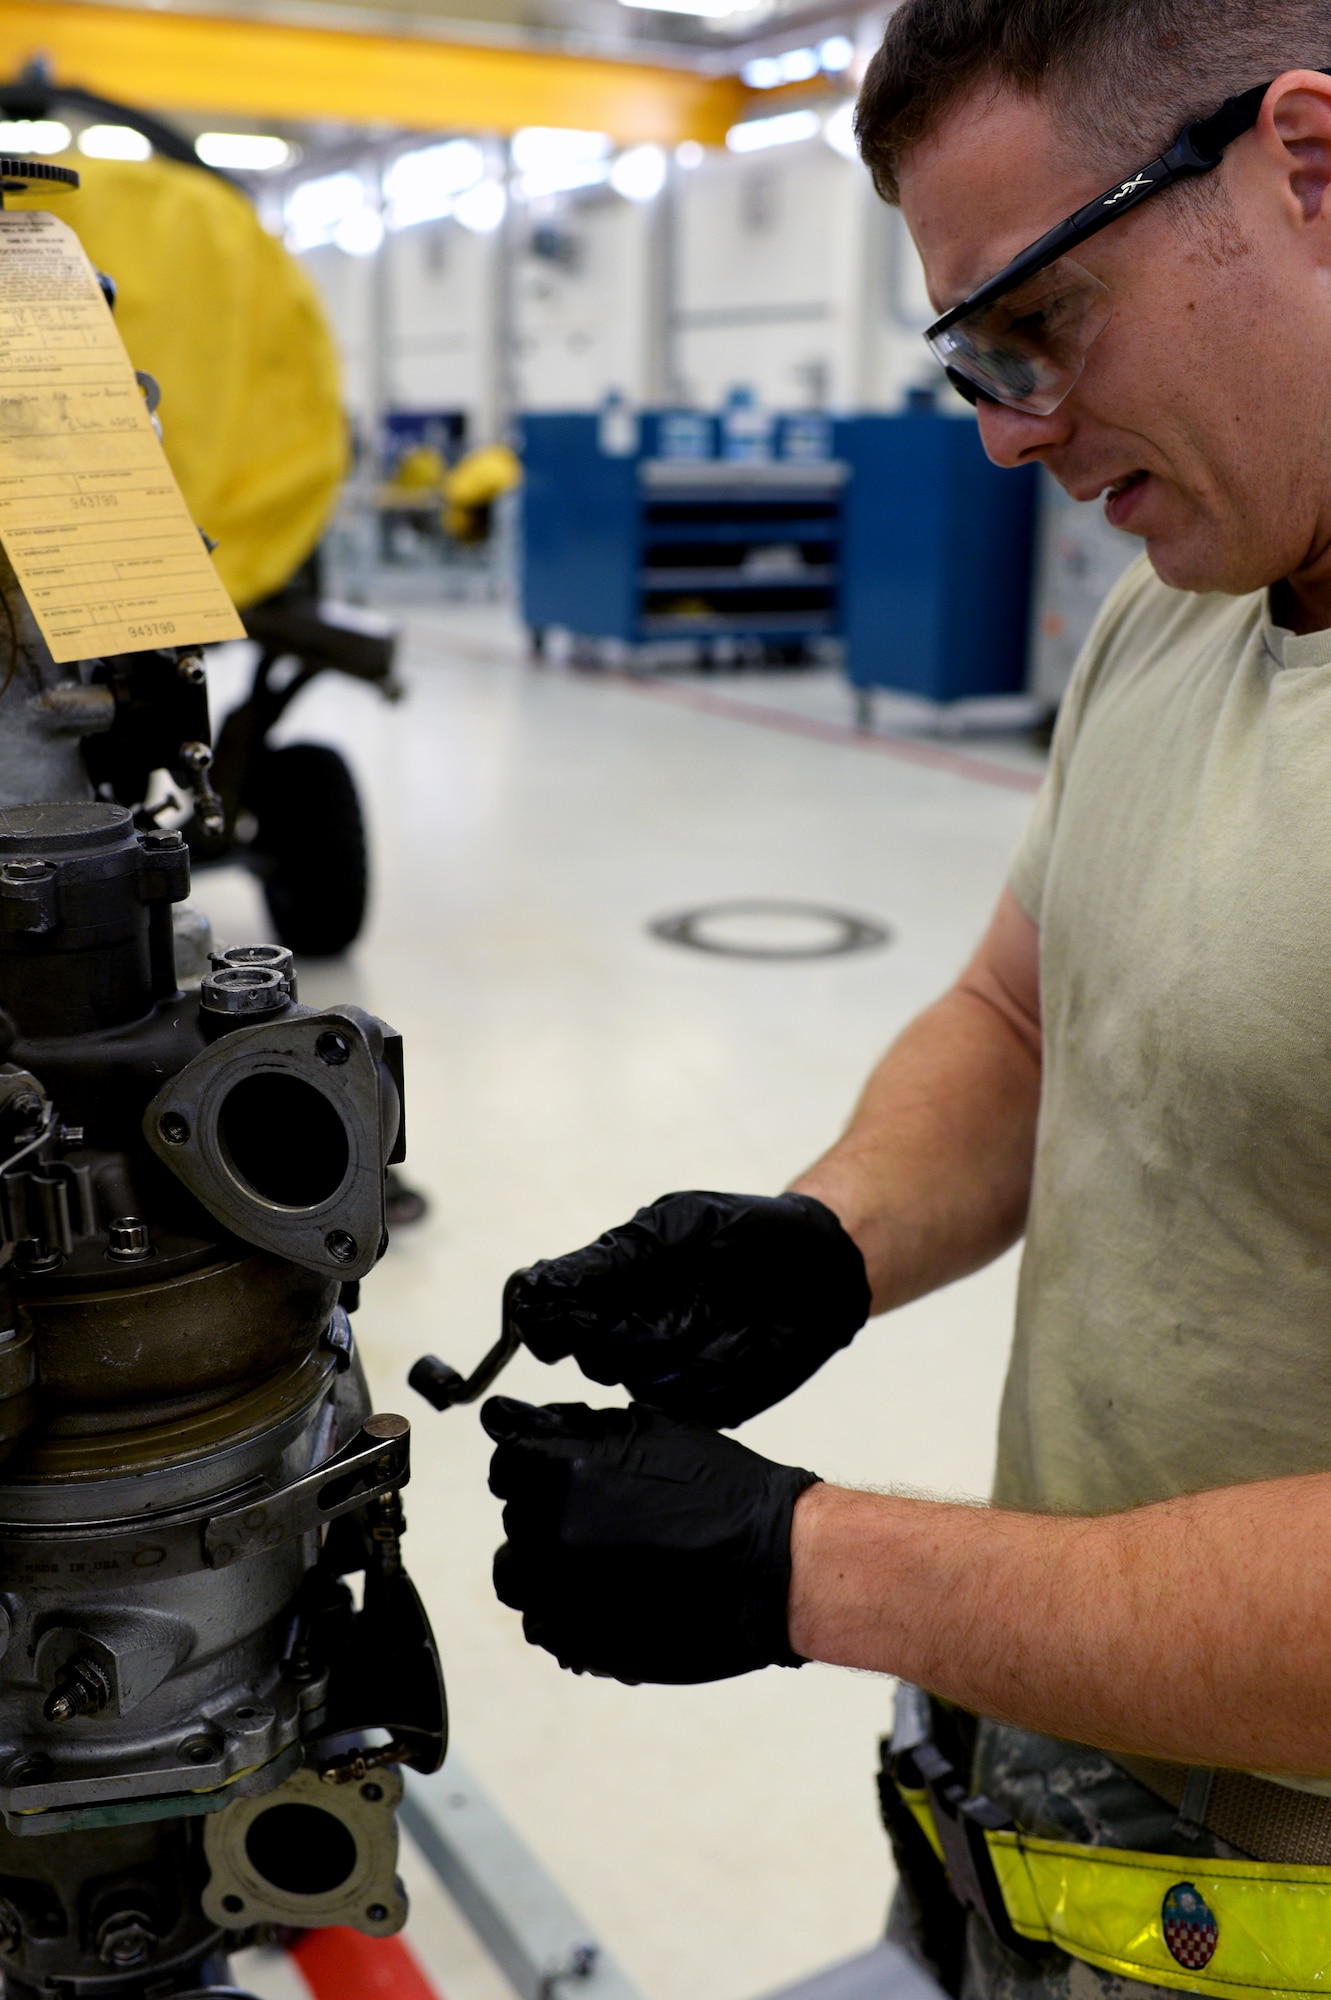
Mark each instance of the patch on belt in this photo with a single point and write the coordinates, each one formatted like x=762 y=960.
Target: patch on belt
x=1190 y=1928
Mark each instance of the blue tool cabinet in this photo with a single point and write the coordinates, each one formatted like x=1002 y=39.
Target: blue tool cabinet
x=647 y=544
x=894 y=532
x=936 y=558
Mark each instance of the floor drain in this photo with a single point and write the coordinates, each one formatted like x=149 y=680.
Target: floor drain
x=758 y=928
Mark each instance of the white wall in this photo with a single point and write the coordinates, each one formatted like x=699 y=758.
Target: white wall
x=347 y=286
x=588 y=326
x=416 y=324
x=440 y=319
x=765 y=276
x=780 y=270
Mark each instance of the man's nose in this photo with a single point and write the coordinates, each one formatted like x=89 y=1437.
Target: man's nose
x=1015 y=437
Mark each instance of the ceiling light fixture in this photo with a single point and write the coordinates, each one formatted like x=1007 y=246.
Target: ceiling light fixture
x=786 y=129
x=554 y=159
x=113 y=142
x=770 y=72
x=705 y=10
x=361 y=234
x=422 y=186
x=242 y=152
x=639 y=174
x=317 y=209
x=34 y=135
x=839 y=130
x=481 y=209
x=799 y=65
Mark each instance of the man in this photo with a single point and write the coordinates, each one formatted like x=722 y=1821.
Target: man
x=1135 y=1070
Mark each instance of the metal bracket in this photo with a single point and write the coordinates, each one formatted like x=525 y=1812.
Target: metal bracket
x=376 y=1461
x=282 y=1131
x=349 y=1874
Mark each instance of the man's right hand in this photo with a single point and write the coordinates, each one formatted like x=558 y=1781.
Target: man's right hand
x=709 y=1307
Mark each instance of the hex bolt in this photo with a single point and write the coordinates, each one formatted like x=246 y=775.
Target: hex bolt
x=26 y=871
x=83 y=1687
x=341 y=1246
x=128 y=1240
x=161 y=840
x=334 y=1049
x=125 y=1940
x=173 y=1128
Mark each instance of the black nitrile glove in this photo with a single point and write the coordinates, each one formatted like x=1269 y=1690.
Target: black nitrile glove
x=642 y=1548
x=707 y=1306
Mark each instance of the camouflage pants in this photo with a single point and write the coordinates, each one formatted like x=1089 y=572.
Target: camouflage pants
x=1059 y=1791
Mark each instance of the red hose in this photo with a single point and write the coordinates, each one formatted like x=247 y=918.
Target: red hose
x=338 y=1964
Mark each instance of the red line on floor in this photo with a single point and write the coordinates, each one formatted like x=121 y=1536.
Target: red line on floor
x=980 y=770
x=706 y=701
x=338 y=1964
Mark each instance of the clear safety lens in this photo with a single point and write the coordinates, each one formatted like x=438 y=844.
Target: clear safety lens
x=1028 y=347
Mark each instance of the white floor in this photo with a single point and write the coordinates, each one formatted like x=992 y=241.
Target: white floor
x=564 y=1066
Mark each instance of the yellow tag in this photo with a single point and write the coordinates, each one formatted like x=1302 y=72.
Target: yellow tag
x=90 y=514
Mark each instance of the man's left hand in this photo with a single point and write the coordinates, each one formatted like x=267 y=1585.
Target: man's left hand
x=639 y=1547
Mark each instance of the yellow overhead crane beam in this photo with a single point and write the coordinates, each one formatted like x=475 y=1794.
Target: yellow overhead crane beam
x=226 y=65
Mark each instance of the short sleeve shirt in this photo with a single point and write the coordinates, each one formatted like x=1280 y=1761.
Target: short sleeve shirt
x=1174 y=1311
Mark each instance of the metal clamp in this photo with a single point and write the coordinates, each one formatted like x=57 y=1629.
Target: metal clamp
x=377 y=1461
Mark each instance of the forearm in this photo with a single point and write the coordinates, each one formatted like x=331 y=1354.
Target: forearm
x=1198 y=1630
x=933 y=1175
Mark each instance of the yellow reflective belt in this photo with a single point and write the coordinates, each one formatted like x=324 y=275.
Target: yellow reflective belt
x=918 y=1801
x=1239 y=1927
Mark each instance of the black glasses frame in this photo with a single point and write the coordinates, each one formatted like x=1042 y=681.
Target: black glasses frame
x=1198 y=149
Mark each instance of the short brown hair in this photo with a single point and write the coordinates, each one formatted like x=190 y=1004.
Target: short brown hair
x=1124 y=75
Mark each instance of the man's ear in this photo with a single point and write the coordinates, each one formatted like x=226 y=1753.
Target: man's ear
x=1296 y=117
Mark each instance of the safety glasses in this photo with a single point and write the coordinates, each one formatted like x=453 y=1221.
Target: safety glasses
x=1022 y=338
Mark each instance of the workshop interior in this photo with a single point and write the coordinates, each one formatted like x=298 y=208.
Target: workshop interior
x=519 y=678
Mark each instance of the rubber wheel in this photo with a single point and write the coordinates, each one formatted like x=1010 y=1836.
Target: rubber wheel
x=311 y=844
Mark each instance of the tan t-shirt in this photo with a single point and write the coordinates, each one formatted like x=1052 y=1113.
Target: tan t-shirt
x=1174 y=1314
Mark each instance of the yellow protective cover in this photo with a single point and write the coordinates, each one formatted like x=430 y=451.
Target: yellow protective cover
x=225 y=319
x=474 y=483
x=482 y=476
